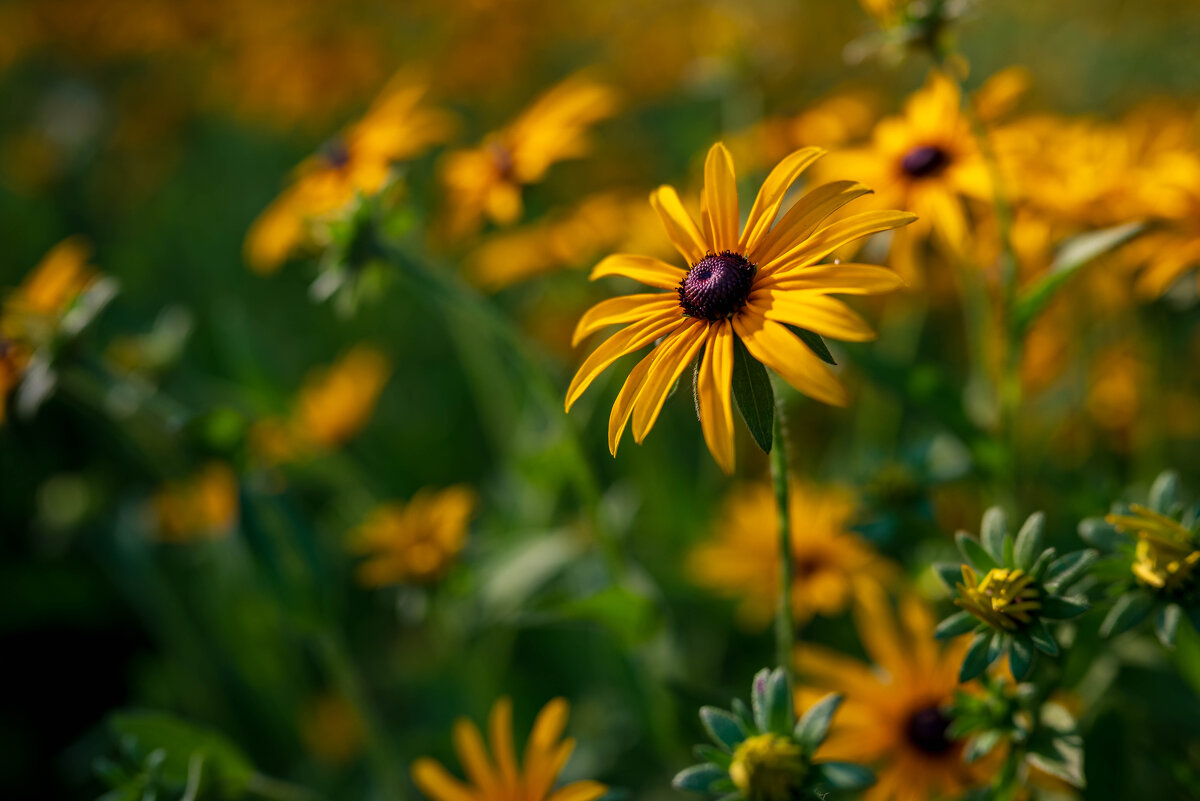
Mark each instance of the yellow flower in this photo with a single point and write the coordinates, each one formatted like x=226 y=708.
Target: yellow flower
x=768 y=767
x=331 y=729
x=925 y=161
x=357 y=162
x=1003 y=598
x=893 y=715
x=749 y=287
x=204 y=506
x=1166 y=555
x=487 y=180
x=830 y=563
x=505 y=779
x=415 y=541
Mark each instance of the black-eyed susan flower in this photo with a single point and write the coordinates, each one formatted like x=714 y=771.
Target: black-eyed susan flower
x=415 y=541
x=501 y=777
x=486 y=181
x=744 y=289
x=830 y=562
x=762 y=754
x=897 y=712
x=1008 y=590
x=202 y=506
x=355 y=163
x=1155 y=564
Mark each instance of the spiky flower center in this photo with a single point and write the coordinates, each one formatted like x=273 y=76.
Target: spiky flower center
x=1166 y=555
x=1004 y=598
x=768 y=767
x=925 y=161
x=717 y=286
x=926 y=730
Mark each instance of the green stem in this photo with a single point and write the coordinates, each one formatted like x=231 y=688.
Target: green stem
x=785 y=627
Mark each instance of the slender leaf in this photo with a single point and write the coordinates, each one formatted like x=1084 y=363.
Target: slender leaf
x=1042 y=639
x=753 y=394
x=697 y=778
x=1164 y=492
x=845 y=776
x=814 y=724
x=977 y=658
x=1166 y=624
x=815 y=343
x=724 y=729
x=993 y=531
x=956 y=624
x=974 y=553
x=1029 y=541
x=1128 y=611
x=1021 y=656
x=1057 y=608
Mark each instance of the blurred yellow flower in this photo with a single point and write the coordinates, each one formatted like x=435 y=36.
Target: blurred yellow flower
x=203 y=506
x=747 y=287
x=486 y=181
x=415 y=541
x=331 y=729
x=831 y=564
x=355 y=163
x=505 y=779
x=925 y=161
x=1166 y=554
x=893 y=716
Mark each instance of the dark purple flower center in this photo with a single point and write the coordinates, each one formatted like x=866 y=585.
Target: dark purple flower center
x=502 y=159
x=716 y=286
x=335 y=153
x=926 y=730
x=925 y=161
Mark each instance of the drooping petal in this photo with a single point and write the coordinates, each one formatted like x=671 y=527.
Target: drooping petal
x=776 y=347
x=721 y=198
x=624 y=309
x=623 y=405
x=812 y=310
x=681 y=228
x=770 y=196
x=645 y=269
x=828 y=239
x=579 y=791
x=436 y=782
x=633 y=337
x=673 y=357
x=713 y=388
x=804 y=217
x=845 y=278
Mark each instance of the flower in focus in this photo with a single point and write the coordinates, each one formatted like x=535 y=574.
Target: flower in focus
x=746 y=289
x=486 y=181
x=333 y=405
x=925 y=161
x=203 y=506
x=763 y=754
x=896 y=713
x=504 y=779
x=357 y=162
x=830 y=563
x=414 y=541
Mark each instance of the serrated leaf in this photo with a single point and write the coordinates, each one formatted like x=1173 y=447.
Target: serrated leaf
x=1055 y=607
x=1098 y=533
x=814 y=724
x=844 y=776
x=1021 y=656
x=950 y=573
x=1166 y=624
x=697 y=778
x=753 y=395
x=1128 y=611
x=724 y=729
x=977 y=659
x=1074 y=254
x=956 y=624
x=974 y=553
x=1164 y=493
x=1029 y=541
x=1042 y=639
x=993 y=531
x=1069 y=568
x=815 y=343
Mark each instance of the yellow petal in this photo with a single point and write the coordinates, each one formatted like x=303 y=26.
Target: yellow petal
x=646 y=269
x=681 y=228
x=830 y=238
x=468 y=743
x=713 y=388
x=770 y=196
x=804 y=217
x=836 y=279
x=635 y=336
x=673 y=356
x=721 y=198
x=812 y=310
x=783 y=352
x=550 y=723
x=434 y=781
x=500 y=733
x=541 y=773
x=625 y=309
x=623 y=406
x=579 y=791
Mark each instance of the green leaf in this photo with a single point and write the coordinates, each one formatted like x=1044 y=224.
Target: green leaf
x=178 y=741
x=1098 y=533
x=977 y=658
x=981 y=745
x=1129 y=610
x=631 y=617
x=974 y=553
x=753 y=394
x=697 y=778
x=759 y=700
x=1059 y=755
x=1069 y=568
x=1164 y=492
x=993 y=532
x=1074 y=254
x=1021 y=656
x=815 y=343
x=1055 y=607
x=1029 y=541
x=956 y=624
x=1166 y=624
x=845 y=776
x=724 y=729
x=1043 y=561
x=814 y=724
x=780 y=704
x=716 y=756
x=744 y=714
x=1042 y=639
x=949 y=572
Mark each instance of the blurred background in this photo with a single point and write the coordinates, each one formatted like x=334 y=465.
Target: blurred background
x=157 y=551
